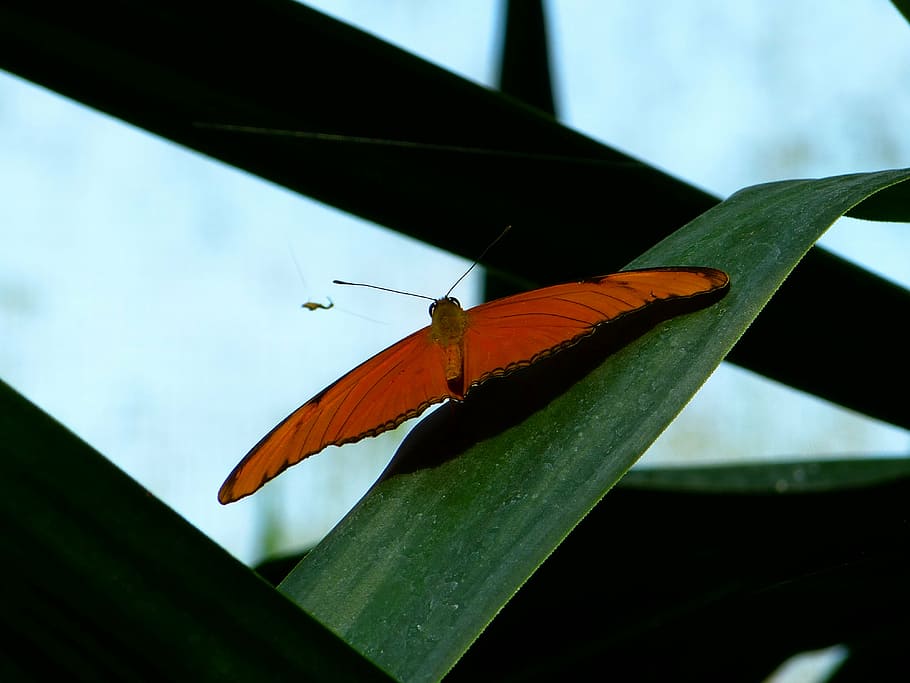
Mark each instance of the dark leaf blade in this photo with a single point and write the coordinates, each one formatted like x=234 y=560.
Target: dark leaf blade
x=105 y=582
x=784 y=477
x=903 y=6
x=891 y=204
x=711 y=561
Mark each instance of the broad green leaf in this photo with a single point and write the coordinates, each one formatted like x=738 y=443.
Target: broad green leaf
x=104 y=582
x=712 y=561
x=413 y=574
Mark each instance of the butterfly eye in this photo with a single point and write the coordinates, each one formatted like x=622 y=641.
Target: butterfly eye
x=432 y=308
x=454 y=301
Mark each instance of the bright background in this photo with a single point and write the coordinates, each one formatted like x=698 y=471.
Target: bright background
x=149 y=297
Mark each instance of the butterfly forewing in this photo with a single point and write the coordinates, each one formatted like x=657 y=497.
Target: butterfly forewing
x=515 y=331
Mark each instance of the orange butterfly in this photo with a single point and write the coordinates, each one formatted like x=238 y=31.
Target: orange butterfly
x=457 y=351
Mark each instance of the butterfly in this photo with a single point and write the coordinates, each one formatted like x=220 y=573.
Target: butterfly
x=457 y=351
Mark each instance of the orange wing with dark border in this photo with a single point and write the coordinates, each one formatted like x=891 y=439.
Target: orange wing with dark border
x=513 y=332
x=379 y=394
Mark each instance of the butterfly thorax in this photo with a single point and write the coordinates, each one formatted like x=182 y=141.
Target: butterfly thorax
x=447 y=331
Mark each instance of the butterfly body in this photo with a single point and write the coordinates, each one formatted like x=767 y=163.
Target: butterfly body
x=447 y=329
x=457 y=351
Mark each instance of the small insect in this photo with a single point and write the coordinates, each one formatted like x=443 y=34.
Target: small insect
x=314 y=305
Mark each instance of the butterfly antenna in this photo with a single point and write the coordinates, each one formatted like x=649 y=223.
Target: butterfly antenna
x=478 y=259
x=383 y=289
x=421 y=296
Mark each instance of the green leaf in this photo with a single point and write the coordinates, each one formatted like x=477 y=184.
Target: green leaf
x=414 y=573
x=772 y=477
x=891 y=204
x=104 y=582
x=712 y=561
x=903 y=6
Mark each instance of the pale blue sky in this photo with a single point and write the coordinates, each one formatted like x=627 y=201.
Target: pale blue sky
x=149 y=301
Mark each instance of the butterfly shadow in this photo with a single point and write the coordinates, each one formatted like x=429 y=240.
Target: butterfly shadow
x=503 y=402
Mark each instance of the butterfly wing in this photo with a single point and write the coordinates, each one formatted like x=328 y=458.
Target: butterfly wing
x=515 y=331
x=381 y=393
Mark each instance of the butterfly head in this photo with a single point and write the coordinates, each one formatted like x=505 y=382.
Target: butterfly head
x=449 y=321
x=446 y=303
